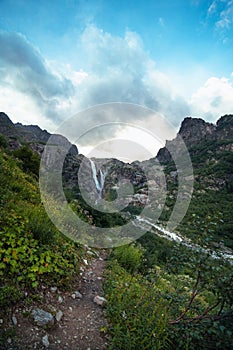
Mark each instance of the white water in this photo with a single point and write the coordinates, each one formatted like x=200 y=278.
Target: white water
x=162 y=232
x=99 y=181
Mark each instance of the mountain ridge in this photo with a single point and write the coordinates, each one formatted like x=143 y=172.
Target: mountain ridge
x=195 y=130
x=191 y=130
x=17 y=134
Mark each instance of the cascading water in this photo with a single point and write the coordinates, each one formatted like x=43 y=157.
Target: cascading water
x=98 y=177
x=162 y=232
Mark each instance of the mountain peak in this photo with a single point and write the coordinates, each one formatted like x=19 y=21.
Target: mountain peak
x=195 y=129
x=5 y=120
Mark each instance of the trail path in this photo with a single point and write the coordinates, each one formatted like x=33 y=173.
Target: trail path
x=82 y=320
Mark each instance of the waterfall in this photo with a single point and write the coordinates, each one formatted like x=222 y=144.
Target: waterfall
x=98 y=177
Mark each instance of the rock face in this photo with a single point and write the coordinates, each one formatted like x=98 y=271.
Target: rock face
x=16 y=134
x=196 y=130
x=7 y=127
x=32 y=133
x=193 y=132
x=224 y=130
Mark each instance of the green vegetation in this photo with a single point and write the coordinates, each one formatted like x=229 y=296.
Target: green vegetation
x=160 y=294
x=30 y=160
x=32 y=251
x=183 y=303
x=212 y=199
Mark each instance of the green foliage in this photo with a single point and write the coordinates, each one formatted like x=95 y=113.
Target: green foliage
x=129 y=257
x=28 y=263
x=40 y=225
x=99 y=219
x=9 y=295
x=187 y=292
x=30 y=160
x=32 y=250
x=137 y=314
x=3 y=142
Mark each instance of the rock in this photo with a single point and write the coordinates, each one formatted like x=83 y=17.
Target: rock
x=45 y=341
x=90 y=253
x=14 y=320
x=42 y=318
x=53 y=289
x=99 y=300
x=60 y=299
x=59 y=315
x=78 y=295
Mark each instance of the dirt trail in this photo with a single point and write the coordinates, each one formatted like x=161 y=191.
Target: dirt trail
x=82 y=320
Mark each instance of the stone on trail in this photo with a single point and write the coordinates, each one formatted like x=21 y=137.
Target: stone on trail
x=42 y=318
x=45 y=341
x=59 y=315
x=99 y=300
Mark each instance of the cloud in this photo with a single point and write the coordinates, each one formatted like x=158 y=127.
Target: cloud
x=213 y=99
x=212 y=8
x=222 y=13
x=119 y=70
x=24 y=70
x=226 y=16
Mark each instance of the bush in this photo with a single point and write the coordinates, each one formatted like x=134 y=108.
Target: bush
x=40 y=225
x=3 y=142
x=129 y=257
x=30 y=160
x=136 y=312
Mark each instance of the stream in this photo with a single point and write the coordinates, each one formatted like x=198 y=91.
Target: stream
x=146 y=223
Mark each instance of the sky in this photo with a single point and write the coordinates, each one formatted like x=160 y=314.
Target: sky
x=58 y=58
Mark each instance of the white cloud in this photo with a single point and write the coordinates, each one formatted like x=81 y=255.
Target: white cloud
x=21 y=108
x=213 y=99
x=212 y=8
x=24 y=71
x=117 y=69
x=222 y=12
x=226 y=16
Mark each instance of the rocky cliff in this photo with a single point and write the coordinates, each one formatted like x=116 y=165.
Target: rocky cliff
x=18 y=134
x=194 y=131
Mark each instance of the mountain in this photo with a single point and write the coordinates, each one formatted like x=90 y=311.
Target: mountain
x=180 y=293
x=209 y=146
x=194 y=131
x=18 y=134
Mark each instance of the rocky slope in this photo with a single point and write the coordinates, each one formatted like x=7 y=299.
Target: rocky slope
x=210 y=148
x=18 y=134
x=194 y=131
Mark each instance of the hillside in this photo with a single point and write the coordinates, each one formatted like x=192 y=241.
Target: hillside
x=211 y=151
x=161 y=293
x=40 y=268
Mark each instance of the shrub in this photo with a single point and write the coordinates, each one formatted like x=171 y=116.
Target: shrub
x=31 y=161
x=129 y=257
x=136 y=312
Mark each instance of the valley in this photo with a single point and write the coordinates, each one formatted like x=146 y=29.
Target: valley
x=165 y=234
